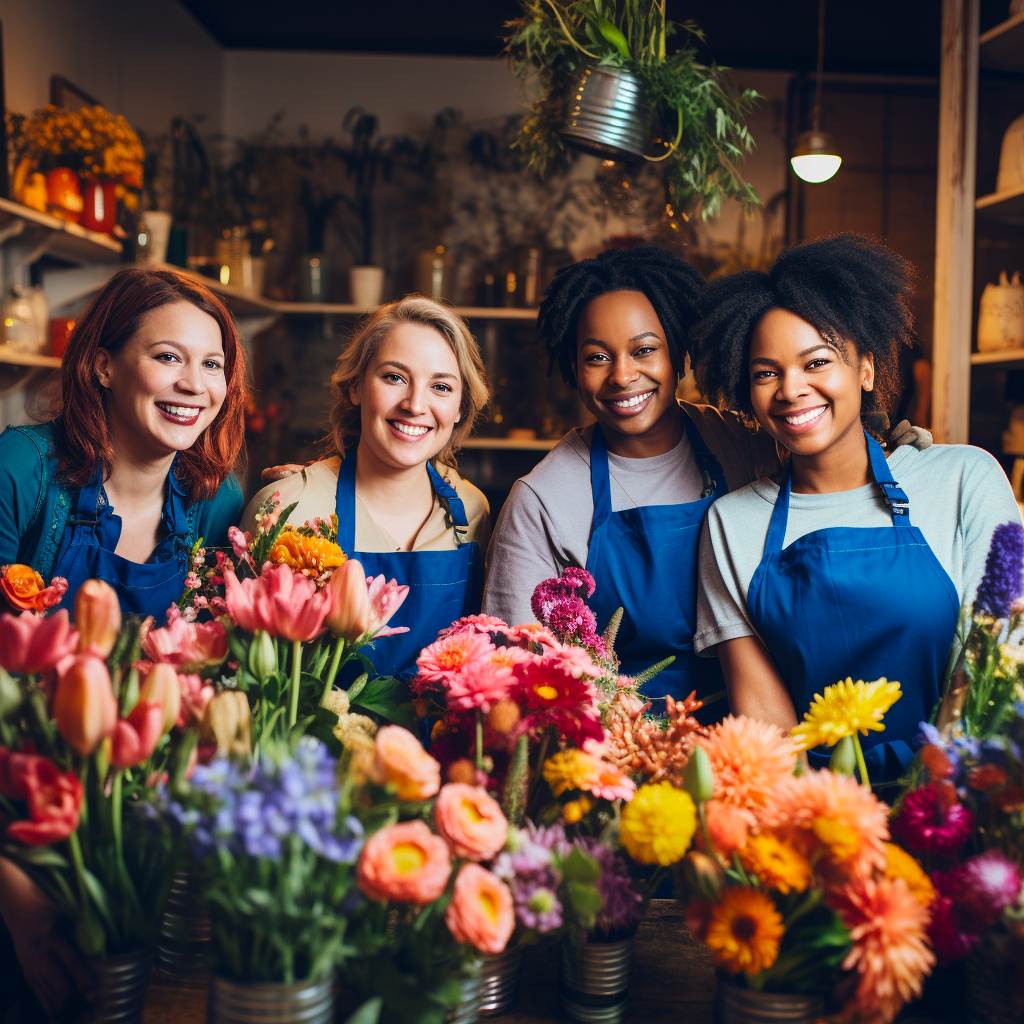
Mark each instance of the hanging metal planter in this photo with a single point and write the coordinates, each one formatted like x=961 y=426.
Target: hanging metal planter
x=609 y=115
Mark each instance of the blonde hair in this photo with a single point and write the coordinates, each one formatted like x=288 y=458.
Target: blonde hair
x=362 y=347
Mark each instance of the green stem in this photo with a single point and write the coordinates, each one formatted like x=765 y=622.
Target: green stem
x=479 y=742
x=567 y=33
x=675 y=142
x=862 y=767
x=79 y=864
x=293 y=696
x=332 y=671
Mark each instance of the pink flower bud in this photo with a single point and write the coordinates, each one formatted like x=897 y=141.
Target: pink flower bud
x=161 y=687
x=97 y=617
x=351 y=615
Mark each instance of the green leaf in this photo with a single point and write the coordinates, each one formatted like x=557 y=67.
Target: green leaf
x=368 y=1013
x=388 y=698
x=585 y=901
x=580 y=867
x=357 y=687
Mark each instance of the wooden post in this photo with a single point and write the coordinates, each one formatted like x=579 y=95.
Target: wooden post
x=954 y=222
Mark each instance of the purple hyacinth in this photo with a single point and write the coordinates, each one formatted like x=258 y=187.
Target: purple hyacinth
x=1003 y=581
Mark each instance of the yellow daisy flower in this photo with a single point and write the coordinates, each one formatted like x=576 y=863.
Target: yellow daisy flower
x=744 y=931
x=569 y=769
x=657 y=825
x=312 y=556
x=845 y=709
x=776 y=864
x=900 y=864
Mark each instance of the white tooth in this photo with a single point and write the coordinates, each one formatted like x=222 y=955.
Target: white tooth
x=412 y=431
x=629 y=403
x=805 y=417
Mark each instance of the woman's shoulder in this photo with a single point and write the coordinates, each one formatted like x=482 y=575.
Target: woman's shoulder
x=474 y=500
x=935 y=464
x=566 y=464
x=313 y=489
x=755 y=499
x=29 y=445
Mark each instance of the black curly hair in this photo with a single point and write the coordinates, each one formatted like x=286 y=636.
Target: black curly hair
x=848 y=287
x=671 y=286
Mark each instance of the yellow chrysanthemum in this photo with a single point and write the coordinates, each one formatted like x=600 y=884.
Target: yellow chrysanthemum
x=900 y=864
x=744 y=931
x=842 y=839
x=776 y=864
x=845 y=709
x=658 y=824
x=312 y=556
x=569 y=769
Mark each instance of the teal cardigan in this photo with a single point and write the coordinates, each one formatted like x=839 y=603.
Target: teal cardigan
x=34 y=504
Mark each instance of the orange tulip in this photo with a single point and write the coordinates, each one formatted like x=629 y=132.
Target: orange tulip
x=97 y=617
x=351 y=615
x=83 y=706
x=161 y=687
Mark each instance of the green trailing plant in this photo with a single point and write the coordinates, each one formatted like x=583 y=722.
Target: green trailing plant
x=700 y=133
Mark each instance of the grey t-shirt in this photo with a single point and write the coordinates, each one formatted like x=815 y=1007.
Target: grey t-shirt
x=544 y=525
x=958 y=495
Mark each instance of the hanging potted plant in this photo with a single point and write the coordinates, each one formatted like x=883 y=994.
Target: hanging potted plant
x=606 y=81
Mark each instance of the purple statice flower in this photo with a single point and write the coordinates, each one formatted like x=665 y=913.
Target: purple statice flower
x=1002 y=582
x=622 y=903
x=536 y=902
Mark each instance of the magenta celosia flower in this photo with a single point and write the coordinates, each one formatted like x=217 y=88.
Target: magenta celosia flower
x=984 y=886
x=279 y=601
x=560 y=604
x=928 y=824
x=949 y=938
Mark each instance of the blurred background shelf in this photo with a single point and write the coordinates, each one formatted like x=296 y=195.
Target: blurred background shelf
x=348 y=309
x=1001 y=48
x=15 y=357
x=1007 y=355
x=56 y=238
x=1002 y=207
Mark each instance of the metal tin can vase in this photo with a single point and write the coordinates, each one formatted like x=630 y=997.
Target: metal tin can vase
x=467 y=1010
x=499 y=978
x=609 y=115
x=183 y=942
x=737 y=1005
x=594 y=981
x=120 y=989
x=241 y=1002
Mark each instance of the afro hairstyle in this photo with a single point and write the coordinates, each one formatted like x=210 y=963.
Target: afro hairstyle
x=848 y=287
x=671 y=286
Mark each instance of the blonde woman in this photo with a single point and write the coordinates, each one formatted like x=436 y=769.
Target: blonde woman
x=406 y=392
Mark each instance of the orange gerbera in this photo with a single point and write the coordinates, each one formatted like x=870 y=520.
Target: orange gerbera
x=311 y=556
x=900 y=864
x=744 y=930
x=776 y=864
x=890 y=953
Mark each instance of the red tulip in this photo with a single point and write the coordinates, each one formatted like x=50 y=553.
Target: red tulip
x=31 y=644
x=54 y=798
x=83 y=706
x=136 y=736
x=98 y=617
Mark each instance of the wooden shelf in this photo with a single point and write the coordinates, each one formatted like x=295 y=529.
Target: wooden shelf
x=1002 y=48
x=14 y=357
x=1005 y=355
x=348 y=309
x=241 y=302
x=1004 y=207
x=68 y=241
x=510 y=444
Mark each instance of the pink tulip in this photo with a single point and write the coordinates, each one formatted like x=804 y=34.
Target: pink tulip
x=161 y=687
x=189 y=646
x=351 y=615
x=83 y=706
x=196 y=693
x=280 y=601
x=136 y=736
x=30 y=644
x=385 y=600
x=98 y=617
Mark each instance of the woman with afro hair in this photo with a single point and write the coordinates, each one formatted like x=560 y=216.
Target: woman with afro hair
x=845 y=563
x=625 y=498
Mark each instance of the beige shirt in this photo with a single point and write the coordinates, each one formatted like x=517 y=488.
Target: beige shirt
x=315 y=489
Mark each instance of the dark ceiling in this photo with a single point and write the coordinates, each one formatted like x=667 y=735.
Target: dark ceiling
x=864 y=36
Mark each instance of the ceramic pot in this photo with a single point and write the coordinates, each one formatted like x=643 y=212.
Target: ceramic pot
x=240 y=1002
x=120 y=989
x=99 y=206
x=594 y=980
x=366 y=285
x=735 y=1005
x=609 y=115
x=63 y=194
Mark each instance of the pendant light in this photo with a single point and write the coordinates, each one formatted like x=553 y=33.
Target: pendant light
x=814 y=158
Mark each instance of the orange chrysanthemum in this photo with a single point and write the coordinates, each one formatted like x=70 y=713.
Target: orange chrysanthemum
x=311 y=556
x=900 y=864
x=832 y=820
x=744 y=931
x=890 y=952
x=749 y=759
x=776 y=864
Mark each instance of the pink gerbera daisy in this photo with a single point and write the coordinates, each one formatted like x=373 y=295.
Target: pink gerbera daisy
x=577 y=661
x=549 y=695
x=446 y=658
x=533 y=633
x=479 y=684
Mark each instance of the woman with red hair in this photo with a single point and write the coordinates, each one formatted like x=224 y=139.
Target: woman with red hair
x=136 y=466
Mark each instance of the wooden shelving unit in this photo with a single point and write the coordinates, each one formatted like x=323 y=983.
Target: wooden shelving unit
x=348 y=309
x=1000 y=358
x=1002 y=48
x=510 y=444
x=13 y=357
x=59 y=238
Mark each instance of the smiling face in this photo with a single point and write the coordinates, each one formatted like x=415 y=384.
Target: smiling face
x=409 y=397
x=804 y=392
x=167 y=383
x=625 y=375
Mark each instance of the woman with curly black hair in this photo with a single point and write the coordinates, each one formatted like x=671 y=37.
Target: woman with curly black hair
x=833 y=569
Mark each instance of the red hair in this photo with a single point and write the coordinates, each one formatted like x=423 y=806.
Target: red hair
x=83 y=440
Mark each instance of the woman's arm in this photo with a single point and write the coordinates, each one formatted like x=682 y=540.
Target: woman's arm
x=21 y=478
x=753 y=683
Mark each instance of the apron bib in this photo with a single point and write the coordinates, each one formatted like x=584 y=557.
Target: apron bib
x=443 y=585
x=87 y=552
x=645 y=560
x=863 y=602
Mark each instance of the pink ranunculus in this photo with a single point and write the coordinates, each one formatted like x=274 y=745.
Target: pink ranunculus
x=136 y=736
x=284 y=603
x=404 y=862
x=196 y=693
x=481 y=913
x=189 y=646
x=386 y=597
x=471 y=820
x=401 y=761
x=30 y=644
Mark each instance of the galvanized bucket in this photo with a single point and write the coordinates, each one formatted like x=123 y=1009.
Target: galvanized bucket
x=120 y=989
x=608 y=115
x=239 y=1002
x=499 y=979
x=594 y=983
x=468 y=1008
x=737 y=1005
x=183 y=942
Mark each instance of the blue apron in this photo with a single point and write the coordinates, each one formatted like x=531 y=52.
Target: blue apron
x=443 y=585
x=645 y=560
x=863 y=602
x=87 y=552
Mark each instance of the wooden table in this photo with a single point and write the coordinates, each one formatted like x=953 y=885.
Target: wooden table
x=673 y=980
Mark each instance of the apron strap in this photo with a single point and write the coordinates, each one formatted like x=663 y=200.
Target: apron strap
x=710 y=468
x=85 y=513
x=600 y=484
x=448 y=497
x=895 y=497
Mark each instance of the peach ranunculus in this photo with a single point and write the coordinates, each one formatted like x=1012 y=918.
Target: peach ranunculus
x=471 y=820
x=98 y=617
x=31 y=644
x=401 y=761
x=84 y=707
x=480 y=913
x=23 y=588
x=280 y=601
x=188 y=646
x=404 y=862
